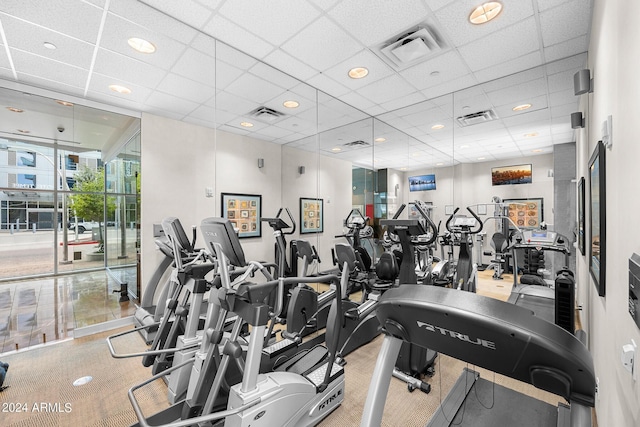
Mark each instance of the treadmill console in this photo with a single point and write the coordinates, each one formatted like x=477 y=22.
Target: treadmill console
x=463 y=221
x=539 y=236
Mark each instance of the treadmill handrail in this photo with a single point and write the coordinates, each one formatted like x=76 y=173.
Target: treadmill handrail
x=493 y=334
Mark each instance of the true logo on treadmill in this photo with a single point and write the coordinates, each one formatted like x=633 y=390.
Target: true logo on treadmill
x=453 y=334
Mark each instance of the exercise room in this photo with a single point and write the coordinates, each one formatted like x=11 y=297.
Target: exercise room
x=318 y=213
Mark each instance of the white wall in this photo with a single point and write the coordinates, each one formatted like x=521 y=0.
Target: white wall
x=614 y=60
x=180 y=160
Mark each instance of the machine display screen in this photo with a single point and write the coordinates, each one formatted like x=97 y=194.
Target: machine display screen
x=539 y=233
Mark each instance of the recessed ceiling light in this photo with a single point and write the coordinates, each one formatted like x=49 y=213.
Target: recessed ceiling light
x=141 y=45
x=537 y=150
x=358 y=72
x=49 y=45
x=246 y=124
x=439 y=164
x=531 y=135
x=291 y=104
x=437 y=127
x=466 y=107
x=464 y=146
x=65 y=103
x=24 y=131
x=481 y=158
x=434 y=73
x=120 y=89
x=485 y=12
x=403 y=169
x=380 y=139
x=336 y=149
x=15 y=110
x=521 y=107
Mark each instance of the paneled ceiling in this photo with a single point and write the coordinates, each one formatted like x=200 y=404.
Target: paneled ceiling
x=278 y=50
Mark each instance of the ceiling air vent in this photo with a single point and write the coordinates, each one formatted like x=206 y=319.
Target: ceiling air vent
x=476 y=118
x=266 y=115
x=411 y=47
x=358 y=143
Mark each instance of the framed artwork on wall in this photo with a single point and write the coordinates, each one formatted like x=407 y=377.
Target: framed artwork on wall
x=597 y=212
x=244 y=211
x=311 y=215
x=509 y=175
x=526 y=213
x=581 y=215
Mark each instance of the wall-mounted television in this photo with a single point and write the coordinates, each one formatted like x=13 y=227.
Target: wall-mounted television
x=422 y=182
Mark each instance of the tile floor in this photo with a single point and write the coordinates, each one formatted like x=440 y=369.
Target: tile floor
x=37 y=311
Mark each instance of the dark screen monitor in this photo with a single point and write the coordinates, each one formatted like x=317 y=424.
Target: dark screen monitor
x=422 y=182
x=220 y=231
x=173 y=229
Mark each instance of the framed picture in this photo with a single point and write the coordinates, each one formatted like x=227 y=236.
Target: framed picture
x=597 y=212
x=448 y=209
x=526 y=213
x=244 y=211
x=481 y=209
x=508 y=175
x=581 y=215
x=311 y=215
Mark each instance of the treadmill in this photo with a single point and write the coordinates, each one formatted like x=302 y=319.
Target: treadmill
x=539 y=295
x=492 y=334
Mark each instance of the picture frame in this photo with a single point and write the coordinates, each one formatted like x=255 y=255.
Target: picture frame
x=311 y=215
x=527 y=213
x=481 y=209
x=448 y=209
x=511 y=175
x=581 y=230
x=597 y=215
x=244 y=211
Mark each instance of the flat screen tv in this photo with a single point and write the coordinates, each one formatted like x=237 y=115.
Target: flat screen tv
x=422 y=182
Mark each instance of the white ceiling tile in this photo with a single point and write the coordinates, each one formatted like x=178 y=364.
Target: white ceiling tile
x=561 y=81
x=196 y=66
x=436 y=71
x=37 y=81
x=378 y=69
x=322 y=45
x=117 y=32
x=575 y=62
x=304 y=103
x=570 y=47
x=118 y=100
x=100 y=85
x=447 y=88
x=254 y=88
x=273 y=75
x=127 y=69
x=391 y=18
x=209 y=46
x=233 y=104
x=187 y=11
x=182 y=87
x=204 y=113
x=564 y=110
x=327 y=85
x=199 y=122
x=501 y=46
x=154 y=20
x=538 y=103
x=5 y=72
x=272 y=20
x=387 y=89
x=565 y=22
x=547 y=4
x=524 y=92
x=525 y=62
x=233 y=56
x=534 y=117
x=225 y=75
x=70 y=17
x=454 y=19
x=273 y=132
x=48 y=69
x=563 y=97
x=283 y=61
x=30 y=38
x=228 y=32
x=357 y=100
x=438 y=4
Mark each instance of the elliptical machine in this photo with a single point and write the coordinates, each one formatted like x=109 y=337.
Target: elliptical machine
x=465 y=276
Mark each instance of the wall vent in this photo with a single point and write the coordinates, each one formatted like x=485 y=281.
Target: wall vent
x=476 y=118
x=412 y=47
x=266 y=115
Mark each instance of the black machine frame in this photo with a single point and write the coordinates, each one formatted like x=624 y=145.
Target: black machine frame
x=598 y=217
x=581 y=229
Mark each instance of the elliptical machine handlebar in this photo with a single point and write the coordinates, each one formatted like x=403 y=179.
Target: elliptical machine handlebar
x=469 y=231
x=430 y=223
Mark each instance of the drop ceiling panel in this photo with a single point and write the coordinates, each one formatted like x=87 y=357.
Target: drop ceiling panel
x=152 y=19
x=441 y=69
x=165 y=102
x=30 y=38
x=253 y=88
x=223 y=75
x=233 y=104
x=456 y=17
x=117 y=31
x=48 y=69
x=182 y=87
x=575 y=62
x=378 y=69
x=228 y=32
x=283 y=61
x=561 y=81
x=316 y=45
x=100 y=84
x=538 y=103
x=387 y=89
x=501 y=46
x=67 y=89
x=570 y=47
x=273 y=76
x=523 y=92
x=565 y=22
x=127 y=69
x=524 y=62
x=204 y=113
x=196 y=66
x=272 y=20
x=79 y=20
x=327 y=85
x=209 y=46
x=450 y=87
x=390 y=18
x=185 y=10
x=412 y=98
